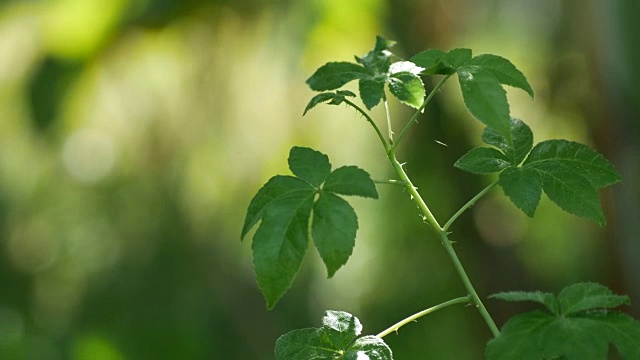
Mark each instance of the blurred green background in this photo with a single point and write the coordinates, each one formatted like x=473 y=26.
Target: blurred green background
x=133 y=134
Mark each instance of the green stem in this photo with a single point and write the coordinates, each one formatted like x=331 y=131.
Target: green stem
x=413 y=119
x=390 y=182
x=428 y=217
x=370 y=120
x=388 y=113
x=397 y=326
x=468 y=205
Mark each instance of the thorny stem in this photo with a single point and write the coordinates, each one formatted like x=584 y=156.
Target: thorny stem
x=414 y=317
x=413 y=119
x=468 y=205
x=390 y=182
x=428 y=218
x=370 y=120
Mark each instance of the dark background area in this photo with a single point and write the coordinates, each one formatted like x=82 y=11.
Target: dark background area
x=133 y=134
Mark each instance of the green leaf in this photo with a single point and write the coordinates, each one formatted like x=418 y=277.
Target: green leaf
x=341 y=328
x=305 y=344
x=280 y=243
x=523 y=186
x=369 y=348
x=285 y=205
x=351 y=180
x=371 y=90
x=538 y=335
x=405 y=66
x=408 y=88
x=336 y=339
x=486 y=99
x=333 y=75
x=309 y=165
x=570 y=190
x=276 y=187
x=503 y=70
x=334 y=230
x=458 y=57
x=579 y=158
x=547 y=299
x=320 y=98
x=589 y=296
x=378 y=59
x=576 y=331
x=519 y=146
x=345 y=93
x=482 y=161
x=438 y=62
x=433 y=61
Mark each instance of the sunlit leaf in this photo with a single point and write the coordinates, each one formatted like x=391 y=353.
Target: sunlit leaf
x=337 y=339
x=408 y=88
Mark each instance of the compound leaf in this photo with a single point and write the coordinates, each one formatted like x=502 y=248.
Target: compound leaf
x=280 y=243
x=334 y=230
x=309 y=165
x=351 y=180
x=333 y=75
x=408 y=88
x=519 y=146
x=523 y=186
x=589 y=296
x=482 y=160
x=577 y=331
x=485 y=98
x=371 y=90
x=341 y=328
x=336 y=339
x=285 y=205
x=579 y=158
x=503 y=70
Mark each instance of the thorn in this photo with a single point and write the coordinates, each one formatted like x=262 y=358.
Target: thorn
x=440 y=143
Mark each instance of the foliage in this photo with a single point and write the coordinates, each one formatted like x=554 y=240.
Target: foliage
x=285 y=205
x=575 y=325
x=294 y=209
x=338 y=338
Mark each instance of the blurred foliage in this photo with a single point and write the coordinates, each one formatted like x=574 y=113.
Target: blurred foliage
x=133 y=134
